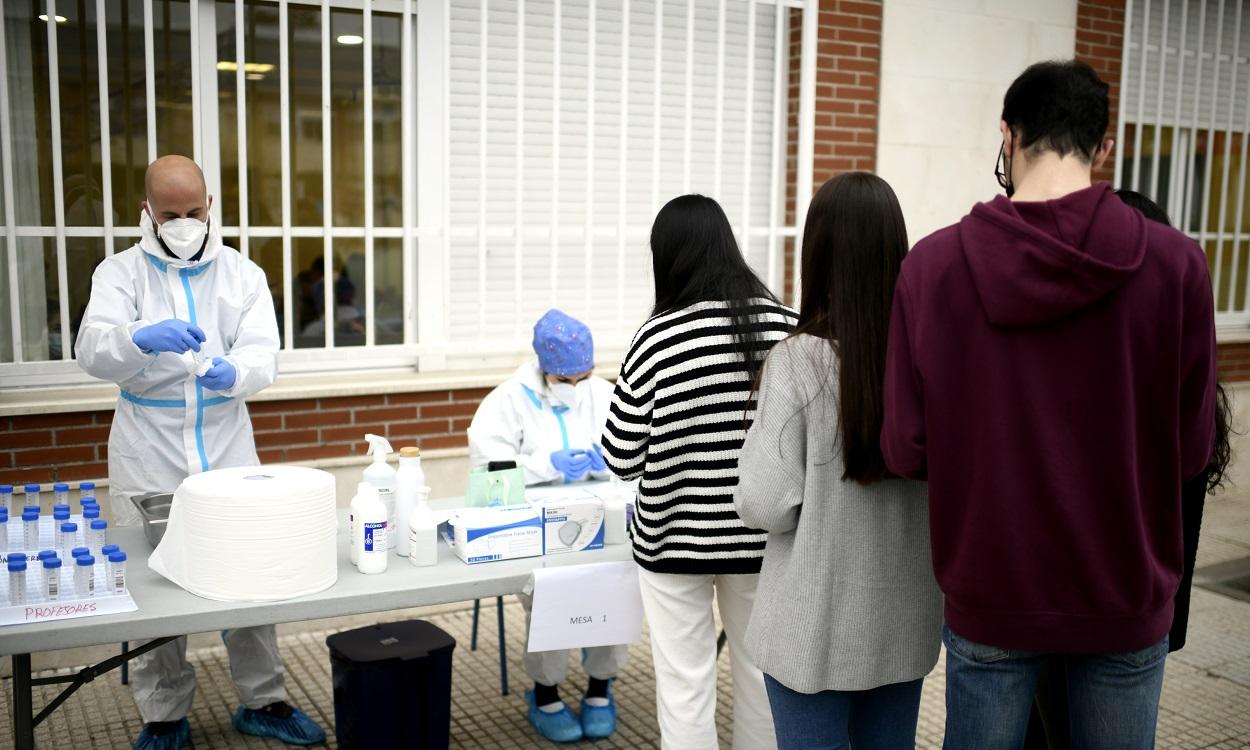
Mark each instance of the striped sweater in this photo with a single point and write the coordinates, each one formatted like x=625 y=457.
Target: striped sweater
x=678 y=419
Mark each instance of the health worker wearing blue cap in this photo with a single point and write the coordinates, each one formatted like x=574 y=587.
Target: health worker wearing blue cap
x=548 y=418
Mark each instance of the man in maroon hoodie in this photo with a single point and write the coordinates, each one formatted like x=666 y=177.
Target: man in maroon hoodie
x=1051 y=372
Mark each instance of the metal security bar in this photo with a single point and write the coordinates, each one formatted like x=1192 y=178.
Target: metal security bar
x=1185 y=126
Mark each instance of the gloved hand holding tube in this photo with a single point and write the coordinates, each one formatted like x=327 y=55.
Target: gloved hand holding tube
x=220 y=377
x=597 y=464
x=573 y=463
x=171 y=335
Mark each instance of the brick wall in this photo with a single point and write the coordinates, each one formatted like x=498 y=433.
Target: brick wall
x=1100 y=42
x=1235 y=362
x=848 y=86
x=69 y=447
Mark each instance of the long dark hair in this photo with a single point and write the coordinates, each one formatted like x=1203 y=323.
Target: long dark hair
x=695 y=258
x=854 y=242
x=1222 y=453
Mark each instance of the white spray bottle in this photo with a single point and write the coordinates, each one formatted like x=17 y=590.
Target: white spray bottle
x=371 y=544
x=381 y=475
x=409 y=480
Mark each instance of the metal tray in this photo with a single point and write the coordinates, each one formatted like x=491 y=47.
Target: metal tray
x=154 y=509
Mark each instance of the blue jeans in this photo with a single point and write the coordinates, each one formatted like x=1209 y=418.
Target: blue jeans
x=1113 y=699
x=883 y=717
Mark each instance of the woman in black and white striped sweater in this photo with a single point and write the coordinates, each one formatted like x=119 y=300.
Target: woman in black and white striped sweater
x=678 y=419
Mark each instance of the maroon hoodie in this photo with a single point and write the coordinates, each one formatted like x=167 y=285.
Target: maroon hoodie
x=1051 y=371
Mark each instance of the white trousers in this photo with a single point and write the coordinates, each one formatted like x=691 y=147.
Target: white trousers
x=164 y=681
x=683 y=647
x=551 y=667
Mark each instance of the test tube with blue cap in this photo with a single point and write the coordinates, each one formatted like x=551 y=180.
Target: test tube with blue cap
x=78 y=552
x=60 y=493
x=4 y=532
x=109 y=549
x=6 y=495
x=90 y=513
x=69 y=538
x=86 y=489
x=117 y=572
x=32 y=495
x=52 y=578
x=97 y=533
x=17 y=578
x=84 y=576
x=30 y=529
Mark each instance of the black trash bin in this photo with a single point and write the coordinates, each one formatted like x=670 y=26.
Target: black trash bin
x=392 y=686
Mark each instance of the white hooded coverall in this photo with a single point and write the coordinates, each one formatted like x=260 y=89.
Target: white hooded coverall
x=517 y=422
x=167 y=427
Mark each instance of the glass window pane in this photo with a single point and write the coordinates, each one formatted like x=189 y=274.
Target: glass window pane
x=388 y=290
x=26 y=41
x=172 y=55
x=308 y=291
x=6 y=320
x=264 y=113
x=348 y=111
x=128 y=116
x=82 y=255
x=388 y=158
x=39 y=298
x=227 y=115
x=349 y=292
x=307 y=201
x=78 y=72
x=266 y=252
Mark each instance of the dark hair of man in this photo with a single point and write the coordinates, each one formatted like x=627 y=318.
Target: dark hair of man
x=695 y=258
x=1059 y=106
x=854 y=242
x=1222 y=453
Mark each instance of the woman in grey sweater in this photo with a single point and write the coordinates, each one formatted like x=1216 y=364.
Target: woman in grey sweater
x=848 y=618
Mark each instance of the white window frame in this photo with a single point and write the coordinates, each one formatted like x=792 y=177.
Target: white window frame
x=425 y=212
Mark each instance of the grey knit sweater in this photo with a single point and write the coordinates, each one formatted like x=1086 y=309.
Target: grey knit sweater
x=846 y=598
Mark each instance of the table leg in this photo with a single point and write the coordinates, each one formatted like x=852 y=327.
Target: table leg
x=23 y=704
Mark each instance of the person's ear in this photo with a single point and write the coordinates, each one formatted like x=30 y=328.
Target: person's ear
x=209 y=207
x=1102 y=153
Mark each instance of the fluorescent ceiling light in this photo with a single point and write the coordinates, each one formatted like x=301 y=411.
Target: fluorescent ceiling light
x=351 y=39
x=59 y=19
x=230 y=66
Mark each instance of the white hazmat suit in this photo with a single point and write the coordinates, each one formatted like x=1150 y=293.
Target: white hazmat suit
x=517 y=422
x=167 y=426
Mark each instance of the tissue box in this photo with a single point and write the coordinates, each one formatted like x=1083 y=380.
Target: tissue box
x=489 y=534
x=571 y=524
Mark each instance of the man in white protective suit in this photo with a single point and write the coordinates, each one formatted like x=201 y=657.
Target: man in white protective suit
x=547 y=418
x=185 y=327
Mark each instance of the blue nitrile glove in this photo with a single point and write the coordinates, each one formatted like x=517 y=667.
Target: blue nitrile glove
x=596 y=458
x=573 y=463
x=220 y=377
x=171 y=335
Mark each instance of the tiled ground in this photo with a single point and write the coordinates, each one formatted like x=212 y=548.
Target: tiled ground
x=1206 y=695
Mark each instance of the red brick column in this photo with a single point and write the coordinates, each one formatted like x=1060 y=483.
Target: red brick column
x=848 y=91
x=1100 y=43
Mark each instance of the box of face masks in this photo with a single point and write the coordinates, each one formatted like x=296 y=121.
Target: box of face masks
x=570 y=523
x=489 y=534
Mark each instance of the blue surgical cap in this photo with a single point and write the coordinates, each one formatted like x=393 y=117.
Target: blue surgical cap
x=563 y=344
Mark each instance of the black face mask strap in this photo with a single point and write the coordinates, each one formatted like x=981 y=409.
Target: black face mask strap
x=1002 y=171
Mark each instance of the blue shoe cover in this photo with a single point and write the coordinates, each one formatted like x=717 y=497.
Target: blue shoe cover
x=295 y=729
x=561 y=726
x=599 y=721
x=168 y=741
